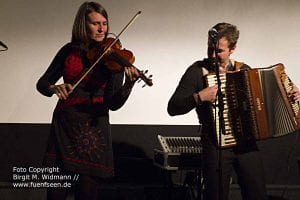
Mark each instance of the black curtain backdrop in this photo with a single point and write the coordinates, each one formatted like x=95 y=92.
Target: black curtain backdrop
x=23 y=145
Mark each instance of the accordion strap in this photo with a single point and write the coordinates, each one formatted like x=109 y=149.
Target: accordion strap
x=238 y=65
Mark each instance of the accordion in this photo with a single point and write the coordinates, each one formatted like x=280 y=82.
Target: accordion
x=257 y=105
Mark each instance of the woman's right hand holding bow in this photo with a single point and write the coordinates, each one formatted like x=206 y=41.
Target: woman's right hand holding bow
x=61 y=90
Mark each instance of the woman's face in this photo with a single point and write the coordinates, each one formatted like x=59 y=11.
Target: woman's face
x=97 y=26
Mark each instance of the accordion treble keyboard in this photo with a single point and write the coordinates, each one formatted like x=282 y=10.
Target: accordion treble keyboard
x=227 y=138
x=178 y=153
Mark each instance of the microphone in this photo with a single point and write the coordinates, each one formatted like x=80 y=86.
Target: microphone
x=213 y=33
x=3 y=45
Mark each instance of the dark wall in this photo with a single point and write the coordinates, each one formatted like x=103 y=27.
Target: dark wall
x=24 y=145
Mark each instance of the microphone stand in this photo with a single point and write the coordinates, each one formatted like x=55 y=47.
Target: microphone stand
x=220 y=106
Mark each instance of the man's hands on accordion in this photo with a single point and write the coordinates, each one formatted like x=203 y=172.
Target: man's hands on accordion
x=295 y=93
x=207 y=94
x=210 y=94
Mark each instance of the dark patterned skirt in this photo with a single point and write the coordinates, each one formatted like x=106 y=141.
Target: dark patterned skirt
x=80 y=141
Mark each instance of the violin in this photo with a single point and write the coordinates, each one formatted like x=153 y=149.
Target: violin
x=116 y=59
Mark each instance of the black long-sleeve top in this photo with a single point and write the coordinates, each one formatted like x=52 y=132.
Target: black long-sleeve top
x=182 y=101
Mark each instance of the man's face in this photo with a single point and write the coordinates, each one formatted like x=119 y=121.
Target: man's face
x=223 y=52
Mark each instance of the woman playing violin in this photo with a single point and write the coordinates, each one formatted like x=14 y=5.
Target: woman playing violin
x=80 y=139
